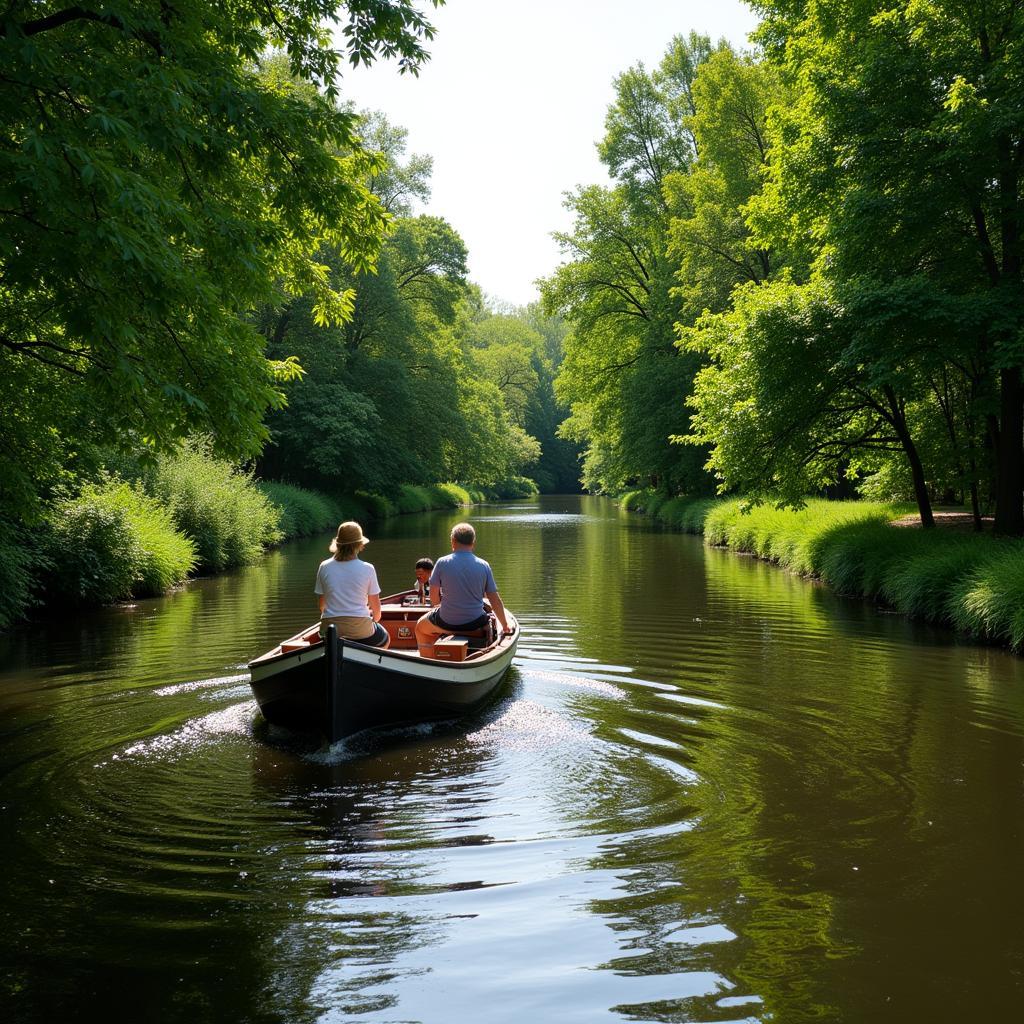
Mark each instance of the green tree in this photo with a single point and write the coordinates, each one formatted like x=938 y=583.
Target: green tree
x=789 y=403
x=386 y=376
x=506 y=348
x=418 y=384
x=155 y=187
x=558 y=469
x=902 y=159
x=622 y=377
x=519 y=350
x=399 y=183
x=709 y=236
x=615 y=293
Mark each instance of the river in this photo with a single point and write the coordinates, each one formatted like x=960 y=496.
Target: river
x=710 y=791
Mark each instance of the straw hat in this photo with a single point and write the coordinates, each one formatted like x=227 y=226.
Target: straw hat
x=351 y=533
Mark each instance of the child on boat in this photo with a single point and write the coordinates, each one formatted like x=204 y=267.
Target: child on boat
x=424 y=567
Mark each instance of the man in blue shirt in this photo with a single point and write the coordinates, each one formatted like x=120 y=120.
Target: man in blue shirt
x=458 y=585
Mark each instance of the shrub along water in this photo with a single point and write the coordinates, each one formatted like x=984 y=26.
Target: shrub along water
x=512 y=487
x=972 y=582
x=166 y=556
x=303 y=512
x=111 y=542
x=450 y=496
x=505 y=490
x=220 y=507
x=300 y=512
x=425 y=497
x=115 y=539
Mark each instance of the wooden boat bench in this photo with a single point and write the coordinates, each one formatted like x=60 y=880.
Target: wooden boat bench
x=302 y=643
x=400 y=622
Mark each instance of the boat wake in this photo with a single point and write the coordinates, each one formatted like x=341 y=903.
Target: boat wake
x=200 y=684
x=362 y=744
x=236 y=720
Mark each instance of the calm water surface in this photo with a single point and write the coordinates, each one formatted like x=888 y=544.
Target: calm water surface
x=710 y=791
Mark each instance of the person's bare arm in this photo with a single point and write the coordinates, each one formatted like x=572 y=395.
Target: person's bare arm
x=374 y=602
x=434 y=597
x=323 y=601
x=499 y=609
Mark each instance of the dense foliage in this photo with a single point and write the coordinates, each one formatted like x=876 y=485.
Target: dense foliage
x=146 y=529
x=230 y=519
x=899 y=160
x=830 y=227
x=110 y=542
x=623 y=377
x=203 y=249
x=423 y=382
x=156 y=184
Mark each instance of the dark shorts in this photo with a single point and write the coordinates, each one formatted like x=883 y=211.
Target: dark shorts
x=379 y=638
x=477 y=623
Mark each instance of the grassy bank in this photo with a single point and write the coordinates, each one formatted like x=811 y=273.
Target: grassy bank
x=971 y=582
x=144 y=532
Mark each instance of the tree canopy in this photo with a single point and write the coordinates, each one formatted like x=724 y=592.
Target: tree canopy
x=900 y=157
x=422 y=382
x=158 y=182
x=829 y=226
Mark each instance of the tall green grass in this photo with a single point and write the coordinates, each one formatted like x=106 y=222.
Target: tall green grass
x=218 y=506
x=504 y=490
x=377 y=505
x=425 y=497
x=112 y=542
x=115 y=540
x=972 y=582
x=165 y=556
x=681 y=513
x=301 y=512
x=451 y=496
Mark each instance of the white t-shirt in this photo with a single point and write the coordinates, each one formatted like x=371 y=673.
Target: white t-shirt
x=346 y=586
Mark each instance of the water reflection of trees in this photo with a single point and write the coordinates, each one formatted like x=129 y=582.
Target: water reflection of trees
x=854 y=801
x=714 y=844
x=858 y=772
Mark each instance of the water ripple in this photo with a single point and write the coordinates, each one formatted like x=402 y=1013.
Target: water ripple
x=709 y=792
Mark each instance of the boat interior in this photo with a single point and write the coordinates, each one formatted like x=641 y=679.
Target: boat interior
x=399 y=614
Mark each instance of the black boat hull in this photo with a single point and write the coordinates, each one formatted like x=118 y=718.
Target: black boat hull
x=375 y=688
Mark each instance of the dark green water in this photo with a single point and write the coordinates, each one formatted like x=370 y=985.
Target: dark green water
x=710 y=792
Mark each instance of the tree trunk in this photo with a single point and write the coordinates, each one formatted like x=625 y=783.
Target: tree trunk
x=898 y=419
x=1010 y=454
x=924 y=504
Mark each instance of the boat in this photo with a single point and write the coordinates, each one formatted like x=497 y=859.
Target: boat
x=301 y=685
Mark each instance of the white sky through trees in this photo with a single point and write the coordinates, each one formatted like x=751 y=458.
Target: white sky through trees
x=511 y=105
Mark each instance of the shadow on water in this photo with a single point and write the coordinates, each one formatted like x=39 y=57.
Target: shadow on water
x=708 y=792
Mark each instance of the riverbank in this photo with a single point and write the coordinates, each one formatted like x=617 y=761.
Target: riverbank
x=142 y=531
x=973 y=583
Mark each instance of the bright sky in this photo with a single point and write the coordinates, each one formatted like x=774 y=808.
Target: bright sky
x=511 y=105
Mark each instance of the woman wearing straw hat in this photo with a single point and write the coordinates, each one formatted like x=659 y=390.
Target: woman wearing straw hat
x=348 y=590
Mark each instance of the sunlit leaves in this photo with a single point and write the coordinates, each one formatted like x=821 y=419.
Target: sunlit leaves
x=622 y=378
x=156 y=188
